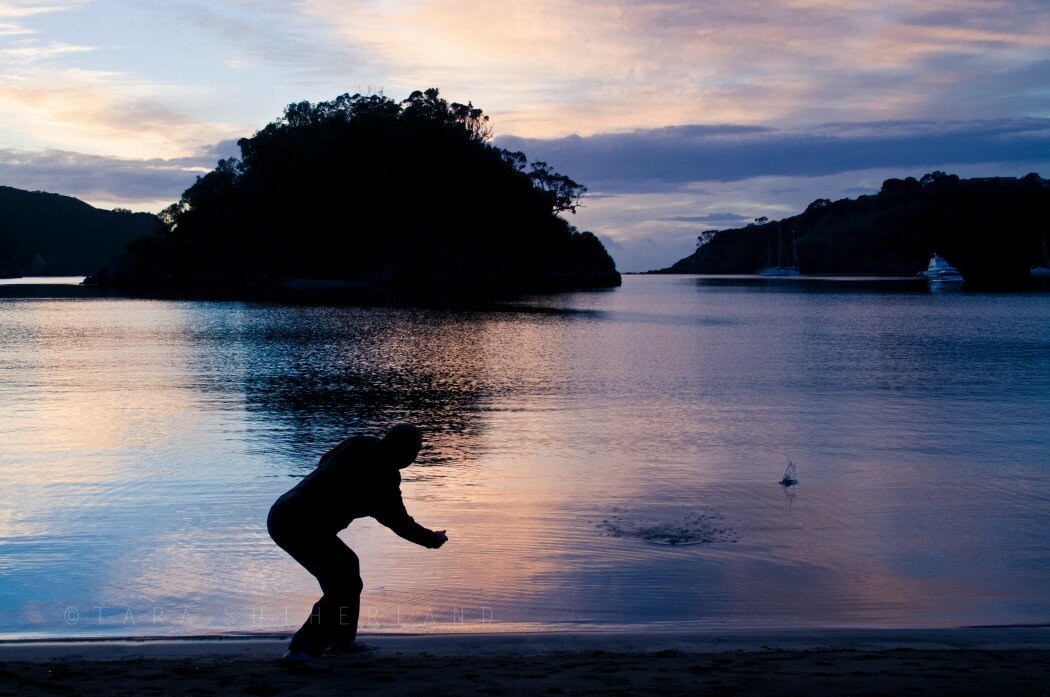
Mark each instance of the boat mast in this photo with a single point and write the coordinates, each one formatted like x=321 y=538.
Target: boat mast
x=794 y=249
x=779 y=245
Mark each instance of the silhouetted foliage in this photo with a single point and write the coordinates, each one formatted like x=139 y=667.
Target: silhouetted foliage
x=44 y=234
x=990 y=228
x=705 y=237
x=367 y=189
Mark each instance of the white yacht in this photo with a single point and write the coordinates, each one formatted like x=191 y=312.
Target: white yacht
x=946 y=279
x=941 y=274
x=938 y=265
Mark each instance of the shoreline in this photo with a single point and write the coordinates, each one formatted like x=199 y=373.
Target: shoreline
x=973 y=638
x=1010 y=660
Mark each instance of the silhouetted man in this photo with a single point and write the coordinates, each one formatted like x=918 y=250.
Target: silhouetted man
x=358 y=478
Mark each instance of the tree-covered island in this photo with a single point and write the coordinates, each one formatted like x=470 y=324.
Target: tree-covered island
x=992 y=229
x=363 y=193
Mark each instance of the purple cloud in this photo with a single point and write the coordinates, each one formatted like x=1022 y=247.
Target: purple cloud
x=666 y=158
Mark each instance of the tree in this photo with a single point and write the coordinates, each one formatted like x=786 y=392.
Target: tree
x=516 y=159
x=564 y=193
x=933 y=178
x=428 y=106
x=169 y=216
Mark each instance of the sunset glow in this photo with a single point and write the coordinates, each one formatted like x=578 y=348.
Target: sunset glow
x=124 y=104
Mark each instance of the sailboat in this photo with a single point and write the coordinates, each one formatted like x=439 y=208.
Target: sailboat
x=780 y=269
x=1043 y=270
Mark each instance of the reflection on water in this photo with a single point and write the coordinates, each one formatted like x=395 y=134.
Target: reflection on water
x=42 y=281
x=842 y=284
x=144 y=441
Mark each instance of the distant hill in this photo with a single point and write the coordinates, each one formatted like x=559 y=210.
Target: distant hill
x=990 y=228
x=44 y=234
x=365 y=194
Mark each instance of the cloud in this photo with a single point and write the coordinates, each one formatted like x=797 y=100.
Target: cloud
x=101 y=112
x=21 y=10
x=587 y=66
x=269 y=33
x=34 y=52
x=663 y=159
x=25 y=48
x=9 y=29
x=96 y=178
x=542 y=69
x=709 y=218
x=28 y=9
x=49 y=99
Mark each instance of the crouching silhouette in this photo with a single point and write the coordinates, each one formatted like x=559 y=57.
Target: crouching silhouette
x=358 y=478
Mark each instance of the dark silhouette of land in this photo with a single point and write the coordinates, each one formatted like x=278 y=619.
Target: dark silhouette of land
x=365 y=194
x=991 y=229
x=44 y=234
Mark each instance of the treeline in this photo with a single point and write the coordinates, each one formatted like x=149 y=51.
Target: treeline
x=44 y=234
x=991 y=229
x=399 y=195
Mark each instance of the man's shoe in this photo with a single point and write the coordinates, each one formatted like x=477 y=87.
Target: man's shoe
x=347 y=648
x=301 y=660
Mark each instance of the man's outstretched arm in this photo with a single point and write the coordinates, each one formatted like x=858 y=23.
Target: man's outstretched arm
x=393 y=514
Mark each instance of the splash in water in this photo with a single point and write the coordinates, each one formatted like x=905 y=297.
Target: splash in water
x=667 y=528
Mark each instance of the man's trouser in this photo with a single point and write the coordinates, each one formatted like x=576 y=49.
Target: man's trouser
x=333 y=618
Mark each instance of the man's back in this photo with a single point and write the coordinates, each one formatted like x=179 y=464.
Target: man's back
x=351 y=481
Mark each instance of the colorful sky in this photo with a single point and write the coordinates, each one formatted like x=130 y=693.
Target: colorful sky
x=679 y=116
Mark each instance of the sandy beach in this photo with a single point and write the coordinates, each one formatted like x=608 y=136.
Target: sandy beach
x=1012 y=661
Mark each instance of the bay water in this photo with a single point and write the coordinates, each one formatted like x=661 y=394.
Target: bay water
x=600 y=459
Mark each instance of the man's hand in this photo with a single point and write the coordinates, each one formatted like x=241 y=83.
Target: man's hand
x=442 y=536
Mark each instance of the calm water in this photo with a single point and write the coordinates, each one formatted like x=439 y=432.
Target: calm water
x=143 y=442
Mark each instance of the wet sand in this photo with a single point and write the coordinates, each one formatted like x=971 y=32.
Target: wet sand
x=1013 y=661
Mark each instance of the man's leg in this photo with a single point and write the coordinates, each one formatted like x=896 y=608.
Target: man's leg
x=333 y=617
x=342 y=598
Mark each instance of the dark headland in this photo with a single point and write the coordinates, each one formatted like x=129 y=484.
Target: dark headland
x=44 y=234
x=363 y=195
x=991 y=229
